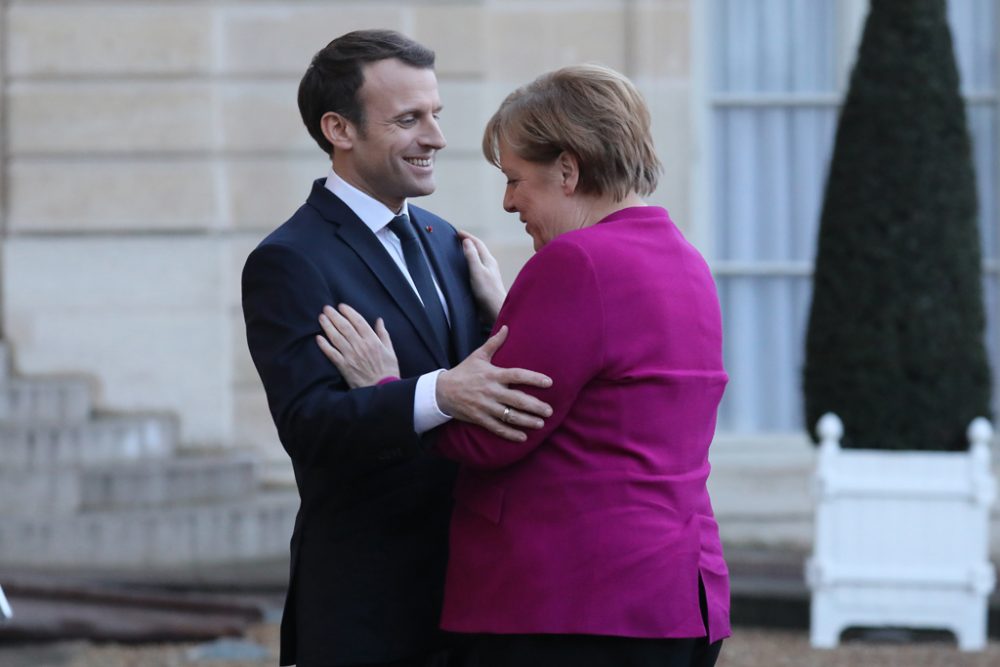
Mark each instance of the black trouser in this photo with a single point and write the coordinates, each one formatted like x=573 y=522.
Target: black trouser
x=594 y=650
x=454 y=657
x=591 y=651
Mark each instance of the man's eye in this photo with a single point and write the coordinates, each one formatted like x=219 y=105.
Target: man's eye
x=407 y=121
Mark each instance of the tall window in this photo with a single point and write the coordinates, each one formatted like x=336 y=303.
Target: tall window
x=778 y=72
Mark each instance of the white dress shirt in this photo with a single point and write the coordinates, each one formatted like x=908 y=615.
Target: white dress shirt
x=377 y=216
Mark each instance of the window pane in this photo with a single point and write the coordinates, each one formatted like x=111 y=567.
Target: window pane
x=770 y=167
x=764 y=320
x=973 y=29
x=991 y=293
x=983 y=128
x=774 y=46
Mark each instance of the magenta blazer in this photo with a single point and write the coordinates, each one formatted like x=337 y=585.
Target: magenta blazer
x=601 y=522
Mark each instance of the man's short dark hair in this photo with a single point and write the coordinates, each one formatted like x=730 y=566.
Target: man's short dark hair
x=335 y=75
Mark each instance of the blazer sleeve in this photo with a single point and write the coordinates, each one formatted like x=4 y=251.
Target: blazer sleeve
x=555 y=317
x=318 y=417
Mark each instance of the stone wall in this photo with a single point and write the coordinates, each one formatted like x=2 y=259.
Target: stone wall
x=148 y=146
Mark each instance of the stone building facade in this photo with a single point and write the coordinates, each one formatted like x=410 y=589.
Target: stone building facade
x=149 y=144
x=146 y=146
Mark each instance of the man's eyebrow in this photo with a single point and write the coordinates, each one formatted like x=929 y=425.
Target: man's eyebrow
x=416 y=111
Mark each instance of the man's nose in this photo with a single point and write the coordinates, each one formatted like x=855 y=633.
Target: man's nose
x=434 y=137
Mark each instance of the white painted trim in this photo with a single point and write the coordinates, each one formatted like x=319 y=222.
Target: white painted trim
x=702 y=233
x=803 y=268
x=776 y=100
x=992 y=265
x=815 y=100
x=737 y=268
x=981 y=97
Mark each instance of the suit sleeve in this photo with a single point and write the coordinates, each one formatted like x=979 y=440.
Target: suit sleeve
x=319 y=418
x=555 y=317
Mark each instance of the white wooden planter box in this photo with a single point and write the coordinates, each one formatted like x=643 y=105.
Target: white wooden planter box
x=901 y=538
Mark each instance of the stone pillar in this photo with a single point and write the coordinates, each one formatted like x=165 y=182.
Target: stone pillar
x=3 y=154
x=113 y=261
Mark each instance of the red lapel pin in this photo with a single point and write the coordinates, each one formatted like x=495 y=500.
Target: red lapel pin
x=429 y=229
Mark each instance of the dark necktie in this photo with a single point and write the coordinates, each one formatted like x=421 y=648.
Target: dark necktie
x=416 y=264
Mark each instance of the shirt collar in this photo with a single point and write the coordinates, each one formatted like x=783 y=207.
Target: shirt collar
x=372 y=212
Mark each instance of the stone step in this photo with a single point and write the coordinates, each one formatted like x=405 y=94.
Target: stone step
x=221 y=532
x=34 y=448
x=45 y=400
x=39 y=493
x=185 y=480
x=156 y=482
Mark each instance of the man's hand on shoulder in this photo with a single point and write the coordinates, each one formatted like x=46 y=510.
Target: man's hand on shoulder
x=477 y=392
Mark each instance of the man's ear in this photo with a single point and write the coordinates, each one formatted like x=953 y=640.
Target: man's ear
x=569 y=170
x=338 y=130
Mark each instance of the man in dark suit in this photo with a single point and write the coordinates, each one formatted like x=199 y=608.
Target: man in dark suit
x=370 y=541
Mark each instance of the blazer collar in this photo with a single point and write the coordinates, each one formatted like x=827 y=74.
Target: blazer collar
x=363 y=242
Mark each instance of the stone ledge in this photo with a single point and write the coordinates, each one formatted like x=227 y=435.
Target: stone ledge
x=65 y=491
x=162 y=537
x=45 y=401
x=33 y=448
x=173 y=482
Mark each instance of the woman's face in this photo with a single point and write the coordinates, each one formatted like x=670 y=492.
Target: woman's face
x=537 y=192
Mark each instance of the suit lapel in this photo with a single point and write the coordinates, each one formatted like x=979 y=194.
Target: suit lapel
x=363 y=242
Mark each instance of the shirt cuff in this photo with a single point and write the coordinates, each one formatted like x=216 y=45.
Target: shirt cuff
x=426 y=413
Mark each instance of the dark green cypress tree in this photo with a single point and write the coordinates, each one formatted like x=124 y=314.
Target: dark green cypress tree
x=895 y=340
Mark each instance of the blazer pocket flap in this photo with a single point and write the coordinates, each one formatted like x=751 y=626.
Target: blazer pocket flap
x=479 y=496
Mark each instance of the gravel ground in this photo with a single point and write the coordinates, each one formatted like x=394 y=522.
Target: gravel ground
x=754 y=647
x=749 y=647
x=83 y=654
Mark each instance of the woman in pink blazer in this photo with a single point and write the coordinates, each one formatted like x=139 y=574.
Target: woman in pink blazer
x=592 y=541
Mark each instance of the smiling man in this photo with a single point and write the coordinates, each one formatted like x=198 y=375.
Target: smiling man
x=370 y=540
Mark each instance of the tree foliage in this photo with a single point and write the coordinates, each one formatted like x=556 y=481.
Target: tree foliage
x=895 y=338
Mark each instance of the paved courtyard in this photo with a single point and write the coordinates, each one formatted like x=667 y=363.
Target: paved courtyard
x=749 y=647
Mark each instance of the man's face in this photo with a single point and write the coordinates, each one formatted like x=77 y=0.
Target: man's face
x=392 y=156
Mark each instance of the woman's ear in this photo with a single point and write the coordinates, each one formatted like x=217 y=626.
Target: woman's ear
x=569 y=170
x=338 y=130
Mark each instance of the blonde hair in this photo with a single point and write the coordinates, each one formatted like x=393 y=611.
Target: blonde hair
x=590 y=111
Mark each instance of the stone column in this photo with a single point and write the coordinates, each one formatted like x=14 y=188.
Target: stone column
x=3 y=159
x=113 y=257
